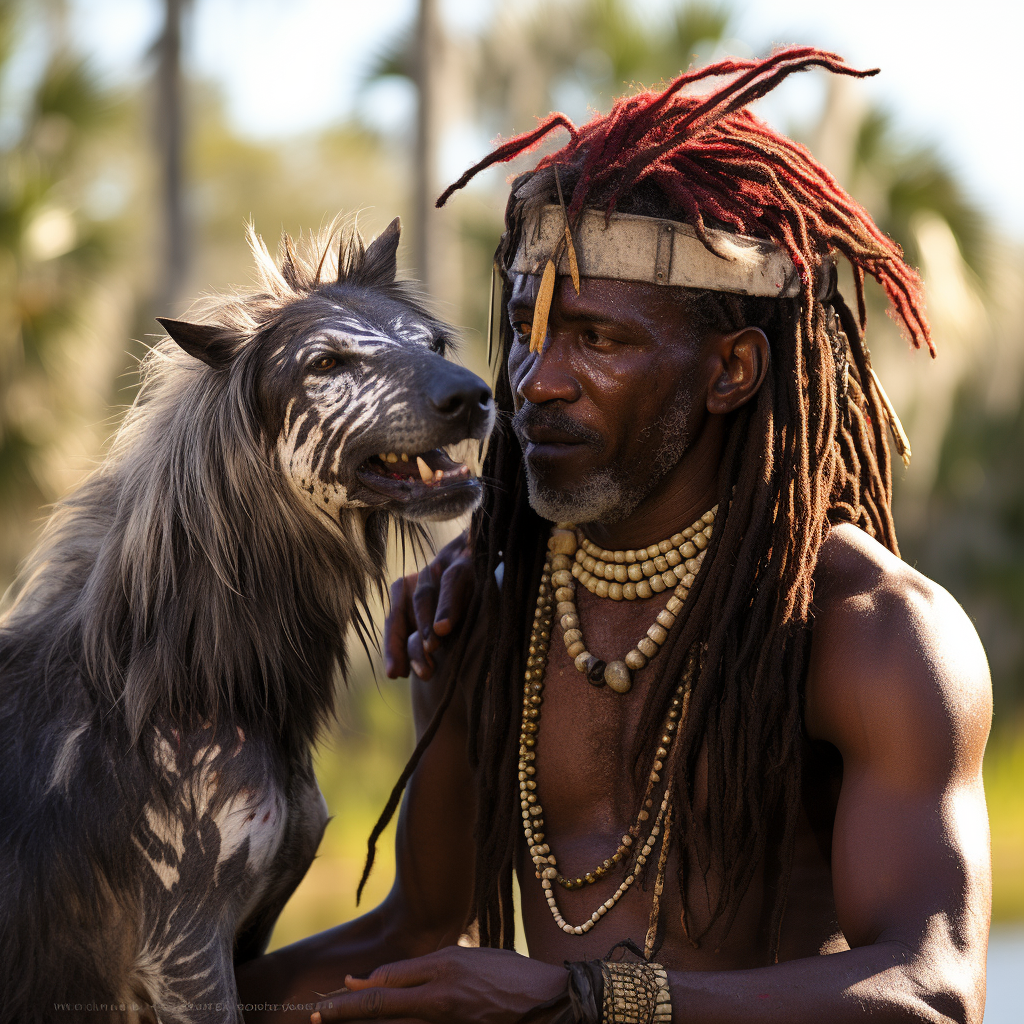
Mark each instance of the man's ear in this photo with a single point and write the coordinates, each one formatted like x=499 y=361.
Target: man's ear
x=742 y=358
x=204 y=341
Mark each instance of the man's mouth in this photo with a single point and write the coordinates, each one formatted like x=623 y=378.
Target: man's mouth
x=545 y=431
x=544 y=437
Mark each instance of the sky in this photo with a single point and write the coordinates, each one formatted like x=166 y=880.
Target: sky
x=950 y=70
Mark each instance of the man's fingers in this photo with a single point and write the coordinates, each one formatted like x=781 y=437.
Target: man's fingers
x=397 y=627
x=374 y=1003
x=424 y=601
x=453 y=596
x=414 y=604
x=400 y=974
x=421 y=662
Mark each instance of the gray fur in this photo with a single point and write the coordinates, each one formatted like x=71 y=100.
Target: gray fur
x=171 y=654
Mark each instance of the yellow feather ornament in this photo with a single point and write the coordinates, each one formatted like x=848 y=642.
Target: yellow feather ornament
x=542 y=308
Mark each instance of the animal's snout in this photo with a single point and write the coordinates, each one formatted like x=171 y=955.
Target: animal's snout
x=460 y=397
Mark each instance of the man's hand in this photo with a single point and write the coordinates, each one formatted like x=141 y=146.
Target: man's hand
x=425 y=607
x=455 y=985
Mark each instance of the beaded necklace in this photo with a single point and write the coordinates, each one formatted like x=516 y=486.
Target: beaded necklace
x=544 y=860
x=674 y=562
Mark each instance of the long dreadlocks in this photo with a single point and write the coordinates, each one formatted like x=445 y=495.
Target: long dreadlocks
x=810 y=450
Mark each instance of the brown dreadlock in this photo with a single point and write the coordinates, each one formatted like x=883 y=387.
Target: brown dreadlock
x=809 y=450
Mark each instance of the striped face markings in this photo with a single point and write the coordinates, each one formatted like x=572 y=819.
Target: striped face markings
x=353 y=391
x=355 y=338
x=344 y=388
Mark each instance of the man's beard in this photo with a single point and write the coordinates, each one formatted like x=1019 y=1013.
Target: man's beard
x=613 y=493
x=603 y=498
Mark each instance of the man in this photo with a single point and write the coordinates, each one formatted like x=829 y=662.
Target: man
x=774 y=795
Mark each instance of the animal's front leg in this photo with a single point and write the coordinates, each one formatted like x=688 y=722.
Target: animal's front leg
x=204 y=853
x=184 y=962
x=198 y=989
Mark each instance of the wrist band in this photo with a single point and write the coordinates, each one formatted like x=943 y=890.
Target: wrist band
x=605 y=992
x=635 y=994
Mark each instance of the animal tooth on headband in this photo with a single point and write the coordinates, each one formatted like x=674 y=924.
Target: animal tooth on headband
x=574 y=267
x=542 y=308
x=425 y=473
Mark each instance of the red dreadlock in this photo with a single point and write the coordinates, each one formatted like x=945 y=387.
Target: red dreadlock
x=716 y=160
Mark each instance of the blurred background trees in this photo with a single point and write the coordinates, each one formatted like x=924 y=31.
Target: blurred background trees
x=119 y=203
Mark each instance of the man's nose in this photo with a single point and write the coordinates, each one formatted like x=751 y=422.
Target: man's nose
x=548 y=377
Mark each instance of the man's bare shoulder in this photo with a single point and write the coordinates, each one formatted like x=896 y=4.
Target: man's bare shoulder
x=895 y=661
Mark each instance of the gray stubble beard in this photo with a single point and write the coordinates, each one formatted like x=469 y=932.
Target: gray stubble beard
x=610 y=496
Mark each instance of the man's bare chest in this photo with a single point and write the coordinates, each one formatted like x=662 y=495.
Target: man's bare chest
x=587 y=762
x=591 y=773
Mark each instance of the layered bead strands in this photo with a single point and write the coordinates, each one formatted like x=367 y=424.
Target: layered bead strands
x=642 y=572
x=545 y=862
x=675 y=561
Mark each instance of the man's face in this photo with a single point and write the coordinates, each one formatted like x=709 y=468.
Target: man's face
x=611 y=405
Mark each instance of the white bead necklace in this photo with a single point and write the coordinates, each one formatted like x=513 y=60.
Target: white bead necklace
x=545 y=862
x=618 y=674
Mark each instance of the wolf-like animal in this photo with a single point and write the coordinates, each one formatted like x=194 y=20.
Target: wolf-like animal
x=172 y=652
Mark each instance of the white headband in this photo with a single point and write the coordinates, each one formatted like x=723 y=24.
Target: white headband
x=631 y=248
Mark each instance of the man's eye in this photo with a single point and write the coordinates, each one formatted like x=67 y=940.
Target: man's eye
x=324 y=363
x=593 y=338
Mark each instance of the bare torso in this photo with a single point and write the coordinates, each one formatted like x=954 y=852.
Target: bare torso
x=585 y=783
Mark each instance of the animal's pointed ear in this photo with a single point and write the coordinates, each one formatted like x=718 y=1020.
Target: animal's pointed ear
x=204 y=341
x=380 y=264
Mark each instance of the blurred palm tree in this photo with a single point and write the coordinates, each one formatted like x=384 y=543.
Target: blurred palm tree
x=54 y=243
x=170 y=131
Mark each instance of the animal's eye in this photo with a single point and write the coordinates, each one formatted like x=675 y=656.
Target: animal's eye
x=324 y=363
x=522 y=327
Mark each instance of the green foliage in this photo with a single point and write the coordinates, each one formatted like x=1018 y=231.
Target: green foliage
x=973 y=543
x=1004 y=772
x=900 y=178
x=522 y=62
x=51 y=251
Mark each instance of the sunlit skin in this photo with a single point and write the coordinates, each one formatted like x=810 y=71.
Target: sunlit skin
x=889 y=900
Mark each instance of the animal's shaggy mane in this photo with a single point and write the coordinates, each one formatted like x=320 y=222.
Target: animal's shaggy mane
x=184 y=577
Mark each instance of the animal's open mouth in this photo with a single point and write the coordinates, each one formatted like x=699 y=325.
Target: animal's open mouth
x=404 y=476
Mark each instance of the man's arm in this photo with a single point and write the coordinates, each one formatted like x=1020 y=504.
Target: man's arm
x=427 y=906
x=899 y=684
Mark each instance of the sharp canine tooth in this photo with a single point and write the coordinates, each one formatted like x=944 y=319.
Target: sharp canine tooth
x=392 y=457
x=425 y=474
x=405 y=458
